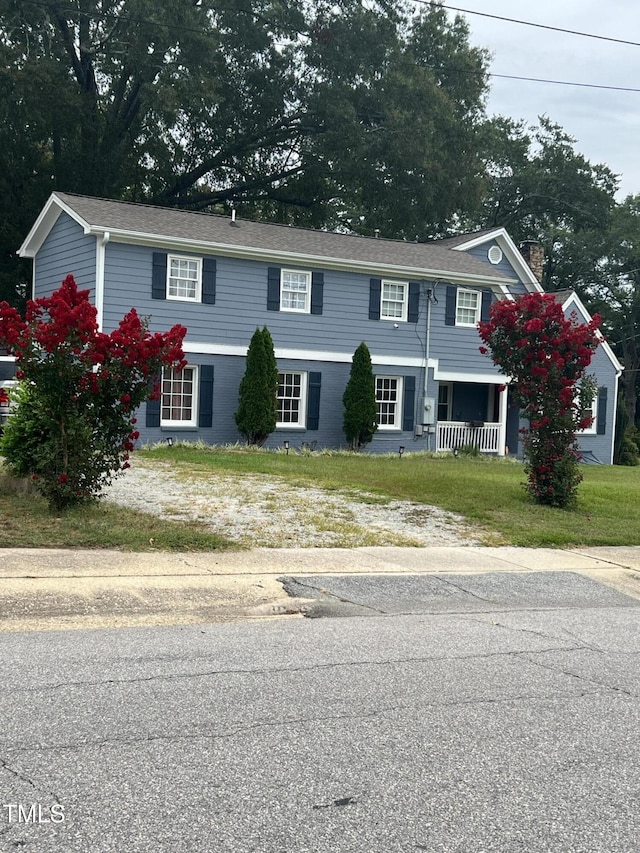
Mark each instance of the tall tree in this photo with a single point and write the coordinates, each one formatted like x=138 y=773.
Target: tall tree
x=360 y=410
x=256 y=413
x=603 y=265
x=540 y=188
x=360 y=113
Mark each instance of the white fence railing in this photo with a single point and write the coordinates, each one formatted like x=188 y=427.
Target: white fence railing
x=453 y=435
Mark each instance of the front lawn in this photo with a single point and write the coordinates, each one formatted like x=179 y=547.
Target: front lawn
x=486 y=491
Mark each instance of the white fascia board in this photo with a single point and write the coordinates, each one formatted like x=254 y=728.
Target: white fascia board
x=301 y=354
x=575 y=299
x=45 y=222
x=300 y=260
x=471 y=378
x=512 y=253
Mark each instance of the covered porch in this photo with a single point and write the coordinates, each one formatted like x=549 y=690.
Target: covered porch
x=475 y=415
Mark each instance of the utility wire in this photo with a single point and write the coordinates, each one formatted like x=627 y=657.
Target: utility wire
x=436 y=4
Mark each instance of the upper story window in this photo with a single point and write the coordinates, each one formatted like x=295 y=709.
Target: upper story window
x=388 y=396
x=184 y=278
x=179 y=392
x=468 y=306
x=393 y=300
x=589 y=410
x=292 y=392
x=295 y=291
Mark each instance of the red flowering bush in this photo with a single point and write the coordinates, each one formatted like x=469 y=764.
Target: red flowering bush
x=73 y=426
x=546 y=356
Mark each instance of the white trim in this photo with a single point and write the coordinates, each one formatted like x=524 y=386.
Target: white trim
x=101 y=248
x=478 y=308
x=44 y=223
x=193 y=421
x=510 y=251
x=347 y=357
x=197 y=280
x=405 y=300
x=573 y=297
x=304 y=383
x=502 y=420
x=474 y=378
x=307 y=291
x=397 y=425
x=304 y=355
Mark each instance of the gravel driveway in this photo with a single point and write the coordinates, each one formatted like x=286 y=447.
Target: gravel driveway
x=265 y=511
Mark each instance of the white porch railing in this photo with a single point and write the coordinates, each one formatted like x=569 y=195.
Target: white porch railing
x=452 y=435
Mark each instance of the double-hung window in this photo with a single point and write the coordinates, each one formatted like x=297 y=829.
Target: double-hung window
x=184 y=278
x=179 y=397
x=589 y=410
x=295 y=291
x=292 y=395
x=393 y=300
x=468 y=307
x=388 y=396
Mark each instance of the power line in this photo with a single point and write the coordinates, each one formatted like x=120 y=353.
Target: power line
x=434 y=3
x=563 y=82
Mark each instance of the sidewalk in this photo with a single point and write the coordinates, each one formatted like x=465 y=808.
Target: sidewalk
x=49 y=589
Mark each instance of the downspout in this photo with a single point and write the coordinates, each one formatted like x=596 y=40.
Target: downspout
x=427 y=349
x=101 y=245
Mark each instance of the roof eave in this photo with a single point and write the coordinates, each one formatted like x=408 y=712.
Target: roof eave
x=510 y=249
x=45 y=222
x=296 y=258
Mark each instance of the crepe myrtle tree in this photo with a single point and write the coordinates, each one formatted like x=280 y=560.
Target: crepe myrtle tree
x=72 y=425
x=360 y=410
x=546 y=356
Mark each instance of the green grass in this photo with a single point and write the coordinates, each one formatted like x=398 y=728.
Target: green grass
x=488 y=492
x=27 y=522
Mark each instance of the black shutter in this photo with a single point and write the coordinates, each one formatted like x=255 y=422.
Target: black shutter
x=409 y=403
x=209 y=281
x=375 y=289
x=317 y=291
x=601 y=418
x=313 y=401
x=273 y=289
x=153 y=413
x=450 y=309
x=205 y=414
x=159 y=276
x=414 y=302
x=487 y=296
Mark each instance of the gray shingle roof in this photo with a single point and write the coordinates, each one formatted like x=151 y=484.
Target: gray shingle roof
x=202 y=229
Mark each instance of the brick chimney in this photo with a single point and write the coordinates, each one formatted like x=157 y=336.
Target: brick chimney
x=533 y=253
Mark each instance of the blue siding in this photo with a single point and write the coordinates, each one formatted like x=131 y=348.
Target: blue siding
x=228 y=372
x=241 y=306
x=480 y=253
x=67 y=249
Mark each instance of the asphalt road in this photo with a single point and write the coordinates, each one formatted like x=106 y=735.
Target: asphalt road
x=502 y=727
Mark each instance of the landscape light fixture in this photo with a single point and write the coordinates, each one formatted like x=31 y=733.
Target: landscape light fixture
x=401 y=450
x=285 y=444
x=169 y=442
x=455 y=452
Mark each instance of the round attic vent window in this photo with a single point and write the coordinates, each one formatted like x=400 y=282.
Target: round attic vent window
x=495 y=254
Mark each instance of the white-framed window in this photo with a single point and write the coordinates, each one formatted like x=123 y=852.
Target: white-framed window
x=393 y=300
x=292 y=398
x=468 y=305
x=178 y=404
x=295 y=291
x=590 y=411
x=388 y=401
x=184 y=278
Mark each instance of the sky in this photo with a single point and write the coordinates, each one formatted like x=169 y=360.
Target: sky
x=605 y=123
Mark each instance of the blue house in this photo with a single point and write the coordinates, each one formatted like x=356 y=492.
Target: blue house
x=416 y=305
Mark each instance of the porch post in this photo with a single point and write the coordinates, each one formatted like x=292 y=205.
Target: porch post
x=502 y=418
